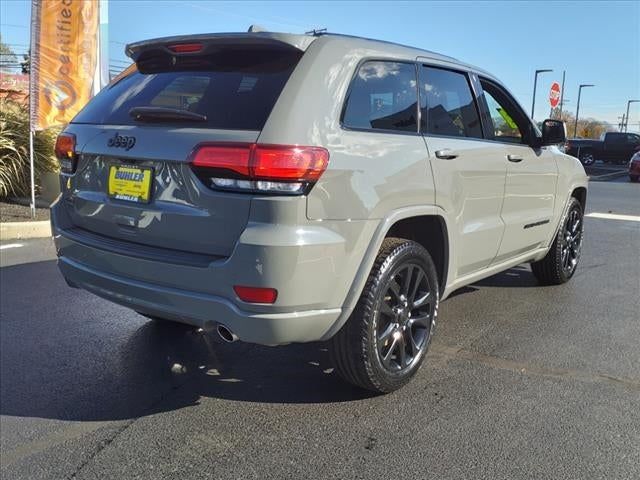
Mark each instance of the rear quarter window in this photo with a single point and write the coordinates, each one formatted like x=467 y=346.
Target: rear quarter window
x=234 y=92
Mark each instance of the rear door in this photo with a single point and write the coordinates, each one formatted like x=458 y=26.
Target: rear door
x=134 y=182
x=532 y=174
x=616 y=146
x=469 y=172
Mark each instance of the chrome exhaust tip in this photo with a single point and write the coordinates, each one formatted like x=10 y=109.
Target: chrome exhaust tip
x=226 y=334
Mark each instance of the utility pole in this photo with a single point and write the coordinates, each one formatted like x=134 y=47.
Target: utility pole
x=621 y=124
x=535 y=84
x=575 y=127
x=626 y=124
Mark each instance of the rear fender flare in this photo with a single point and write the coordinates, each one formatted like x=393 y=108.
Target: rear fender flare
x=364 y=269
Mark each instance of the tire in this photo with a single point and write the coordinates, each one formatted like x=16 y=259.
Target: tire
x=587 y=158
x=634 y=178
x=560 y=263
x=384 y=341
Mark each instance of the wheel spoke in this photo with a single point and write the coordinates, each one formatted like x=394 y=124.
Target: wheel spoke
x=416 y=285
x=576 y=224
x=386 y=359
x=395 y=288
x=402 y=347
x=413 y=346
x=421 y=301
x=422 y=320
x=384 y=336
x=407 y=281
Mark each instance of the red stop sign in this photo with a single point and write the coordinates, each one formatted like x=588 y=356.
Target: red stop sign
x=554 y=95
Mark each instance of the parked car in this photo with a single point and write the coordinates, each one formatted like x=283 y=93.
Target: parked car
x=634 y=167
x=615 y=147
x=294 y=188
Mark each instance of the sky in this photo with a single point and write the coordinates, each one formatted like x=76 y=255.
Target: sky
x=596 y=42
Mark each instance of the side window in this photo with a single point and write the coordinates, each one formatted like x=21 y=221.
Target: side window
x=447 y=104
x=506 y=121
x=633 y=139
x=383 y=97
x=616 y=138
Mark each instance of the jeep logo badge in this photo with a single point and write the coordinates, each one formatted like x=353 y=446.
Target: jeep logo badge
x=121 y=141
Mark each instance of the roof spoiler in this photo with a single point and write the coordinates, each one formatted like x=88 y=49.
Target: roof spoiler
x=215 y=41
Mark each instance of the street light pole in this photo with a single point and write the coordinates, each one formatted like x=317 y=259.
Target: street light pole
x=562 y=94
x=535 y=84
x=575 y=127
x=626 y=124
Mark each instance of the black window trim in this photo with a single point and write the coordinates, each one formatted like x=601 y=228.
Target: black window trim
x=380 y=130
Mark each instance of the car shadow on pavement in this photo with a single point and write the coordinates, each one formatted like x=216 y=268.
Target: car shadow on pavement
x=68 y=355
x=519 y=276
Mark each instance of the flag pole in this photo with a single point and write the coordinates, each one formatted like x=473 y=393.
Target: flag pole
x=32 y=168
x=32 y=91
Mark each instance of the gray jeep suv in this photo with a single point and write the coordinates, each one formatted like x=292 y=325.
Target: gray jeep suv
x=294 y=188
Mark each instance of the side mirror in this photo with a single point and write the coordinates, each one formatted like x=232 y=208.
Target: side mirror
x=553 y=132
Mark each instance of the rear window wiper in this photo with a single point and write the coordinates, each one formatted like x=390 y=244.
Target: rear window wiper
x=163 y=114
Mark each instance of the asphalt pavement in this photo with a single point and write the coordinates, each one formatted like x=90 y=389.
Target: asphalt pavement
x=521 y=382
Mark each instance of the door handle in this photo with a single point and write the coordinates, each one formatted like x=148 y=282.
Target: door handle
x=446 y=154
x=514 y=158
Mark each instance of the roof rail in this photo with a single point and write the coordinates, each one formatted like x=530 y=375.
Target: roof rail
x=316 y=32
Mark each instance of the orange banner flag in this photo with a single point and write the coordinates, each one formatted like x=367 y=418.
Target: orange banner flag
x=64 y=49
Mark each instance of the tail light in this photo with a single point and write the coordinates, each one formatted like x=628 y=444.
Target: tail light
x=65 y=151
x=254 y=167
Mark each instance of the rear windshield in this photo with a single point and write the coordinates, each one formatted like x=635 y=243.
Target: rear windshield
x=235 y=89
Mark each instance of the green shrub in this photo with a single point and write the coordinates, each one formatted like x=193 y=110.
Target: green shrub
x=14 y=150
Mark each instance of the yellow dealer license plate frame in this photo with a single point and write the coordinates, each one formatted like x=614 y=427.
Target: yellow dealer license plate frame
x=130 y=183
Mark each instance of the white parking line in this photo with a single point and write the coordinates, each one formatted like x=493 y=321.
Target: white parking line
x=614 y=216
x=11 y=245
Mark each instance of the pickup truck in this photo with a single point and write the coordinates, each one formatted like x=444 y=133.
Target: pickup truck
x=615 y=147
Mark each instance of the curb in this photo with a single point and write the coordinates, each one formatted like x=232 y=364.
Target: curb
x=23 y=230
x=621 y=173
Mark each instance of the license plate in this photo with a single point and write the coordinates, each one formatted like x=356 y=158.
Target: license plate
x=130 y=183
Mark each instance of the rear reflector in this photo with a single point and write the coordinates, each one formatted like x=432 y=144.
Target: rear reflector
x=65 y=151
x=265 y=168
x=185 y=47
x=256 y=294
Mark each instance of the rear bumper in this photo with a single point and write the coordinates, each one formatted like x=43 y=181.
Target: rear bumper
x=201 y=310
x=312 y=266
